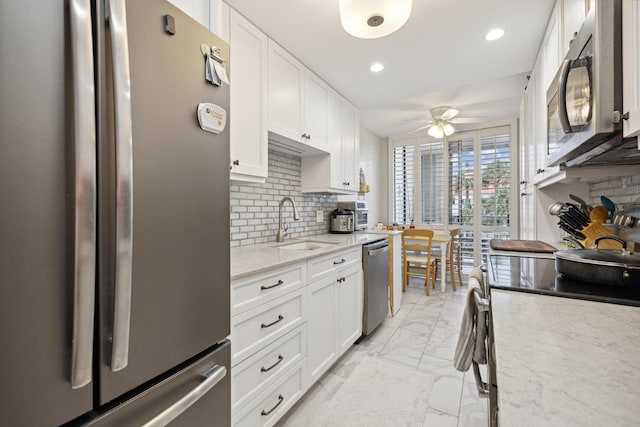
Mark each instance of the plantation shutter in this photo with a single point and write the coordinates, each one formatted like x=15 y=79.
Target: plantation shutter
x=404 y=184
x=432 y=183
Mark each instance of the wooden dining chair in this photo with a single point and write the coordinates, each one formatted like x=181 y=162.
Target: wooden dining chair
x=416 y=250
x=453 y=258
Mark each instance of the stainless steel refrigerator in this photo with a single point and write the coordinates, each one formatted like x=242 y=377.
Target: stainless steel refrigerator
x=114 y=217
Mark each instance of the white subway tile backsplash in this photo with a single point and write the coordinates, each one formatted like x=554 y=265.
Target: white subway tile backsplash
x=621 y=190
x=254 y=207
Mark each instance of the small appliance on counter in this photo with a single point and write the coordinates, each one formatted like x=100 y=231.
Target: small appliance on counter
x=342 y=221
x=360 y=210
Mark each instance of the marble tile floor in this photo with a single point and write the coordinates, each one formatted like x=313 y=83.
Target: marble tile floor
x=400 y=375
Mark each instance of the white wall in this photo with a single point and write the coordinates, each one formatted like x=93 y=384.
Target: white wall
x=374 y=162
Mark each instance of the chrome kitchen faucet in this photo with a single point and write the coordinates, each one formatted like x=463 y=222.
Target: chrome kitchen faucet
x=296 y=217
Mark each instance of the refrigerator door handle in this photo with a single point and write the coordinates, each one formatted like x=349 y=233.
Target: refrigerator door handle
x=85 y=193
x=117 y=19
x=211 y=378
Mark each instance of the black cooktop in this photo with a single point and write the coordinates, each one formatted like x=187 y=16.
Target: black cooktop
x=538 y=275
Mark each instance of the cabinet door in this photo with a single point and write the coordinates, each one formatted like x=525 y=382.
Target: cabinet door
x=321 y=324
x=530 y=136
x=350 y=146
x=335 y=141
x=316 y=111
x=551 y=49
x=286 y=76
x=527 y=213
x=631 y=66
x=350 y=294
x=573 y=13
x=249 y=143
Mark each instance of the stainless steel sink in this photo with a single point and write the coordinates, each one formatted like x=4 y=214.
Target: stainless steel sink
x=305 y=245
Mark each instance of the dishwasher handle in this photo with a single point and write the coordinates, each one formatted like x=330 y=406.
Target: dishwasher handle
x=379 y=250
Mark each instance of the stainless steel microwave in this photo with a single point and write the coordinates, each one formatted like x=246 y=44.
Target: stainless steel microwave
x=584 y=100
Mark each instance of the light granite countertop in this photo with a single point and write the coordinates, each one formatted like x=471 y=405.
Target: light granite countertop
x=565 y=362
x=252 y=259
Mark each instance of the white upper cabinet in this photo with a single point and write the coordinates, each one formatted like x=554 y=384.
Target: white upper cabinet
x=336 y=172
x=551 y=49
x=286 y=85
x=298 y=104
x=573 y=14
x=248 y=124
x=206 y=12
x=316 y=110
x=631 y=66
x=350 y=146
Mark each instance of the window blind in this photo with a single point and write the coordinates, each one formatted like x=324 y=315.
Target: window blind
x=432 y=183
x=496 y=175
x=404 y=183
x=461 y=181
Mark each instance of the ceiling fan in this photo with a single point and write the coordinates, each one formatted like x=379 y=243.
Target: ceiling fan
x=442 y=120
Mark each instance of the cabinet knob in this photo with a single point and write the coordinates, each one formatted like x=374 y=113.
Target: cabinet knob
x=523 y=182
x=539 y=171
x=236 y=162
x=617 y=116
x=524 y=193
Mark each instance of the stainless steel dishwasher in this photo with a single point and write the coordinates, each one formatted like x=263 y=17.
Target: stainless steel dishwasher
x=375 y=263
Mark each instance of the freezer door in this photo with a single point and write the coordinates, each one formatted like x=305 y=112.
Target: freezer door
x=198 y=395
x=164 y=286
x=37 y=216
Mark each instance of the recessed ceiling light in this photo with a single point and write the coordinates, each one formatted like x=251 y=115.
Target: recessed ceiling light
x=494 y=34
x=376 y=68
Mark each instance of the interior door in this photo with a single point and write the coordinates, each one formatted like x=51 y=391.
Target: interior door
x=36 y=229
x=180 y=201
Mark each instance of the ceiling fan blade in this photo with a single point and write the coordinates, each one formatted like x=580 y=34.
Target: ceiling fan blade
x=419 y=129
x=422 y=120
x=466 y=120
x=450 y=114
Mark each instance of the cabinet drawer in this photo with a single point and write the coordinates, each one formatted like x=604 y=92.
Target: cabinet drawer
x=271 y=405
x=252 y=376
x=338 y=260
x=252 y=291
x=254 y=329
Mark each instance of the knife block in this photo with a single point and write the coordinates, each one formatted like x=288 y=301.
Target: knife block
x=595 y=230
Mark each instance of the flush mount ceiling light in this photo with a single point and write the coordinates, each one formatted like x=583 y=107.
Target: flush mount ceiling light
x=370 y=19
x=494 y=34
x=376 y=68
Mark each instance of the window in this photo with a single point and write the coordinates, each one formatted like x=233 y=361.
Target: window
x=432 y=186
x=462 y=181
x=403 y=184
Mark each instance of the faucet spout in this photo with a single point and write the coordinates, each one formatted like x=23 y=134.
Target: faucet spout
x=296 y=216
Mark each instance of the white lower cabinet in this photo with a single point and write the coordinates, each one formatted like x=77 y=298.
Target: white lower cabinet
x=257 y=328
x=288 y=326
x=335 y=308
x=250 y=376
x=275 y=401
x=322 y=325
x=350 y=299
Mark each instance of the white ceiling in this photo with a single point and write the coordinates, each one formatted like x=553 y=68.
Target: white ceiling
x=439 y=57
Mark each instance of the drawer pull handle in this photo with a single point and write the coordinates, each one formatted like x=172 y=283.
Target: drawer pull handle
x=280 y=282
x=280 y=318
x=280 y=400
x=339 y=262
x=280 y=359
